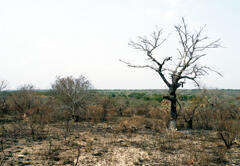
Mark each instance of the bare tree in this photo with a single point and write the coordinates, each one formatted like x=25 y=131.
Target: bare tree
x=3 y=85
x=3 y=102
x=73 y=93
x=175 y=71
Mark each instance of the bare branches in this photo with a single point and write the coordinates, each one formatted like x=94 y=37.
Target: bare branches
x=73 y=93
x=191 y=78
x=148 y=45
x=191 y=51
x=192 y=45
x=185 y=67
x=3 y=85
x=159 y=70
x=138 y=66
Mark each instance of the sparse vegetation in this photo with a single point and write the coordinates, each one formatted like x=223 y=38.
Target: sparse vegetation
x=116 y=127
x=74 y=124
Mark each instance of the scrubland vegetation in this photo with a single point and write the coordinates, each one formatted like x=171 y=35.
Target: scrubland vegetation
x=73 y=124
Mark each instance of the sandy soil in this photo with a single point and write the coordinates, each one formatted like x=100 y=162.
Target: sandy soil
x=104 y=144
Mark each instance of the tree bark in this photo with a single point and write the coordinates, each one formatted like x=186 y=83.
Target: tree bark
x=190 y=123
x=173 y=99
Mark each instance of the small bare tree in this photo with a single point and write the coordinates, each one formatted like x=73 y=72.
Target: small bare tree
x=184 y=67
x=3 y=102
x=3 y=85
x=73 y=93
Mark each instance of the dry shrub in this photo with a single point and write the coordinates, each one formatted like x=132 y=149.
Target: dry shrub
x=145 y=116
x=229 y=131
x=32 y=111
x=226 y=118
x=102 y=110
x=37 y=119
x=142 y=109
x=204 y=113
x=193 y=110
x=128 y=112
x=23 y=99
x=130 y=124
x=204 y=119
x=139 y=123
x=159 y=113
x=95 y=113
x=60 y=114
x=148 y=109
x=162 y=112
x=4 y=105
x=121 y=105
x=107 y=108
x=227 y=121
x=156 y=125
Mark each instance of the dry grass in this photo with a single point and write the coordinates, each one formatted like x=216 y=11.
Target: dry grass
x=104 y=144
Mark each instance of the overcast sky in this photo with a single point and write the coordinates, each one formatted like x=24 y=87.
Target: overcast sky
x=42 y=39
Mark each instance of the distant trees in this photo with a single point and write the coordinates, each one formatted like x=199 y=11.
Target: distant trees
x=74 y=94
x=175 y=71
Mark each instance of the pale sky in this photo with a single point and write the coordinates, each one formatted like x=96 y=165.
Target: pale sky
x=42 y=39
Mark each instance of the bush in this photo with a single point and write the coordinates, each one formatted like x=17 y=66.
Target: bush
x=73 y=94
x=35 y=110
x=96 y=113
x=23 y=99
x=159 y=113
x=228 y=123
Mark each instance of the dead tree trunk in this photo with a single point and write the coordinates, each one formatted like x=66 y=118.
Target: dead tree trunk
x=172 y=97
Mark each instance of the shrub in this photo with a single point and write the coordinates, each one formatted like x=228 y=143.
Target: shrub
x=228 y=125
x=4 y=105
x=159 y=113
x=73 y=94
x=108 y=106
x=197 y=106
x=96 y=113
x=35 y=110
x=23 y=99
x=129 y=111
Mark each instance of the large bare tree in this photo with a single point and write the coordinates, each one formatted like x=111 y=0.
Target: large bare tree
x=175 y=70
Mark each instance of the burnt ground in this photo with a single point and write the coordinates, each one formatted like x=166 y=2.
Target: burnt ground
x=105 y=144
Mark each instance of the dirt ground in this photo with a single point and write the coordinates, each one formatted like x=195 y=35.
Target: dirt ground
x=104 y=144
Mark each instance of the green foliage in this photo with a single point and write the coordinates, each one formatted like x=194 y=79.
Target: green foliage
x=136 y=95
x=186 y=97
x=158 y=97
